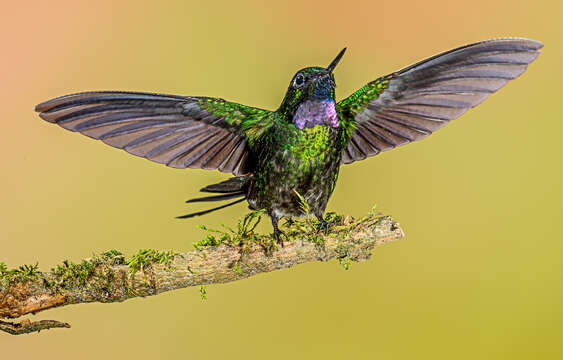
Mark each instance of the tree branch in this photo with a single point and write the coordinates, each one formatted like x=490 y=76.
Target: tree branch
x=223 y=256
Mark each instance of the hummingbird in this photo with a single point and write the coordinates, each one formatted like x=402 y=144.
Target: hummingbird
x=280 y=159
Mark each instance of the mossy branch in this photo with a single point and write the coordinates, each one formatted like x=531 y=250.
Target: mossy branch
x=223 y=256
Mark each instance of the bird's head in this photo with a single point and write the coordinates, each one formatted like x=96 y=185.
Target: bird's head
x=311 y=83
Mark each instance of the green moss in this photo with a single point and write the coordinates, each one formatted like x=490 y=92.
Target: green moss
x=345 y=262
x=230 y=237
x=69 y=273
x=113 y=257
x=94 y=274
x=203 y=292
x=343 y=256
x=21 y=274
x=333 y=218
x=242 y=237
x=307 y=228
x=28 y=270
x=145 y=258
x=211 y=239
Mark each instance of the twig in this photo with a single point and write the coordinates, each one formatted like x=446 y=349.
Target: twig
x=26 y=326
x=223 y=256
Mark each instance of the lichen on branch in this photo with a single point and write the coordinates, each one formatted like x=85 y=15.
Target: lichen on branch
x=224 y=255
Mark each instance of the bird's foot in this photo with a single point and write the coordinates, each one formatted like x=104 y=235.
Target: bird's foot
x=278 y=236
x=324 y=225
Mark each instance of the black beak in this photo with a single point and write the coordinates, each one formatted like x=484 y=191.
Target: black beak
x=334 y=62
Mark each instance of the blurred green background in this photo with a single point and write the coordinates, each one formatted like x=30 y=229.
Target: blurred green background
x=479 y=274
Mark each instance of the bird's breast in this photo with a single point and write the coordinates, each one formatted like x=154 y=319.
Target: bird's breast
x=316 y=112
x=309 y=146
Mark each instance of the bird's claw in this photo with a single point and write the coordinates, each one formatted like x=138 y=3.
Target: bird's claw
x=324 y=225
x=278 y=236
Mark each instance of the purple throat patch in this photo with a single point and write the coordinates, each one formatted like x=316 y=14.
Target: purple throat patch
x=316 y=112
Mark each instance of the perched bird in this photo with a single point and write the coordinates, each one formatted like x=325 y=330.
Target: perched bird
x=295 y=151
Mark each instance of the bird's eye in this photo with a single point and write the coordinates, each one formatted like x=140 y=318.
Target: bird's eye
x=299 y=80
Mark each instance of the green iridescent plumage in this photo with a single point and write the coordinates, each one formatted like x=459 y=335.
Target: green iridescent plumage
x=361 y=98
x=250 y=120
x=284 y=157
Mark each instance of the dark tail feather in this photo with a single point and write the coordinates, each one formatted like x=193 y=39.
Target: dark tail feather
x=209 y=210
x=217 y=197
x=235 y=184
x=232 y=188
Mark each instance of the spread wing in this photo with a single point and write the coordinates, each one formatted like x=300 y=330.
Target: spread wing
x=178 y=131
x=410 y=104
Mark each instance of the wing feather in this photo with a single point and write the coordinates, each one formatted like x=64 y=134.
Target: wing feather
x=213 y=149
x=215 y=161
x=410 y=104
x=233 y=159
x=178 y=131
